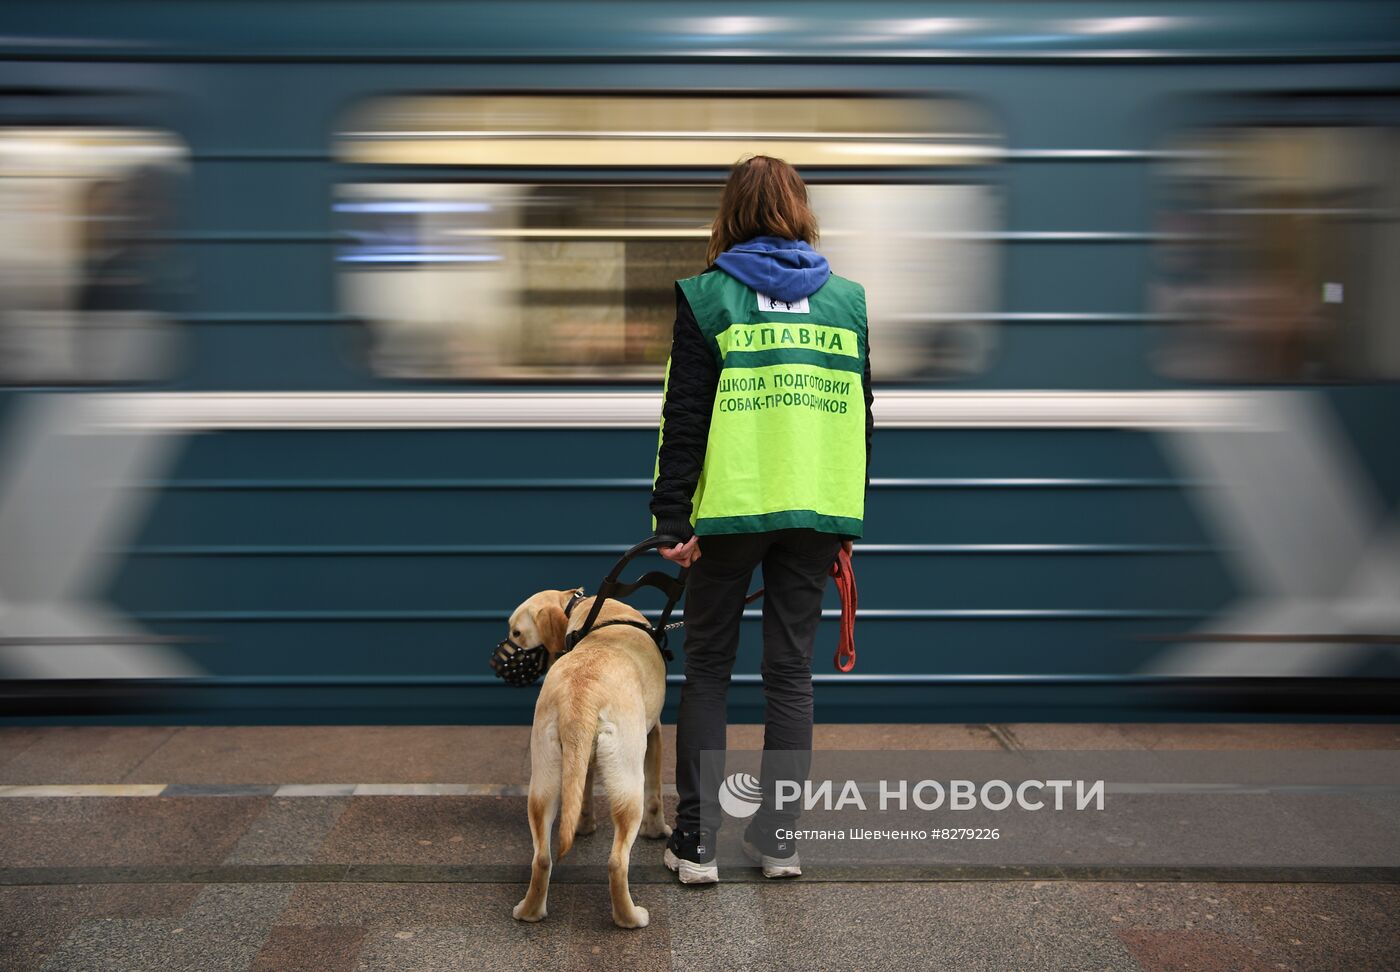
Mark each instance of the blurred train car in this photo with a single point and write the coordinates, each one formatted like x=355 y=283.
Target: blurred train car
x=329 y=331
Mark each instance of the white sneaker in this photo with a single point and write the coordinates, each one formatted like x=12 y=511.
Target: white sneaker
x=780 y=859
x=691 y=854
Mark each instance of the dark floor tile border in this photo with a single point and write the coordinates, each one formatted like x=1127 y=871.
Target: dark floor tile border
x=219 y=789
x=656 y=874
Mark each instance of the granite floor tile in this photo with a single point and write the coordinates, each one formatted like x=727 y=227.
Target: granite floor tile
x=241 y=905
x=595 y=944
x=964 y=926
x=1245 y=735
x=1324 y=927
x=314 y=948
x=1197 y=951
x=289 y=830
x=70 y=831
x=371 y=905
x=429 y=830
x=462 y=830
x=223 y=931
x=34 y=920
x=342 y=754
x=718 y=927
x=1163 y=906
x=85 y=754
x=931 y=736
x=506 y=947
x=337 y=927
x=14 y=740
x=1070 y=736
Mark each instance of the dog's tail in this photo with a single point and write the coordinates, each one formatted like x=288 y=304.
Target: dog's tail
x=576 y=738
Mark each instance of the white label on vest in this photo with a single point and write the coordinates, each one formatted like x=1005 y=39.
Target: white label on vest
x=773 y=305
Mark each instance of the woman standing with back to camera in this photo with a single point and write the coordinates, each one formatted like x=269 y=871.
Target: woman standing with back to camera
x=763 y=458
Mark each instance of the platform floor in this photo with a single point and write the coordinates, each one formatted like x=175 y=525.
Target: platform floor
x=333 y=848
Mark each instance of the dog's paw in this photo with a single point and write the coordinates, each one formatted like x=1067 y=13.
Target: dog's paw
x=656 y=830
x=640 y=918
x=520 y=914
x=586 y=825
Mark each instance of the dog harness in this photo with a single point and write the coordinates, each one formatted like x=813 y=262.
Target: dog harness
x=658 y=634
x=520 y=666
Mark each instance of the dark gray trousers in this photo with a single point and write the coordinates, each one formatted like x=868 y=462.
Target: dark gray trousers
x=795 y=571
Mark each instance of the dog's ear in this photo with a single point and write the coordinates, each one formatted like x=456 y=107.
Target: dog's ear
x=550 y=622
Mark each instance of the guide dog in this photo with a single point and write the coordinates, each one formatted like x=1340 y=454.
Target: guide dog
x=598 y=715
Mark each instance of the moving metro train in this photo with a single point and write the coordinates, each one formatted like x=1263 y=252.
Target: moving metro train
x=328 y=332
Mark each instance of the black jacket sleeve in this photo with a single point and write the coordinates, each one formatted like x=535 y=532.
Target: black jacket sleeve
x=689 y=399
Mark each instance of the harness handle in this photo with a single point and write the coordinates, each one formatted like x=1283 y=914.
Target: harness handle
x=612 y=587
x=650 y=543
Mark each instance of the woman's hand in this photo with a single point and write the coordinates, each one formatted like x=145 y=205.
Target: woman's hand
x=846 y=545
x=684 y=554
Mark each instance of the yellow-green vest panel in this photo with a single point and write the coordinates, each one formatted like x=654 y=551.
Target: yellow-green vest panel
x=786 y=446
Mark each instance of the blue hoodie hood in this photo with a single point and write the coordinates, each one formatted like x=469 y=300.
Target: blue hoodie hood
x=783 y=269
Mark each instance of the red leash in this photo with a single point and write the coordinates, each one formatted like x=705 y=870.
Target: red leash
x=845 y=658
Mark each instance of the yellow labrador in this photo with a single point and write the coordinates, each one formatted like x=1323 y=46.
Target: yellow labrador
x=598 y=714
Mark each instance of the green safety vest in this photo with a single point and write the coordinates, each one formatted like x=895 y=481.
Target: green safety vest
x=786 y=445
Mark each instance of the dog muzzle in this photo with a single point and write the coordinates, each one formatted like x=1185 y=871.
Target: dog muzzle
x=517 y=665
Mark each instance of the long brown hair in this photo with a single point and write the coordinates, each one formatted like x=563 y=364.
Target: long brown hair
x=763 y=197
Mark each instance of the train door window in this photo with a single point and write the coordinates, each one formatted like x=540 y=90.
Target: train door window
x=1280 y=252
x=547 y=247
x=85 y=279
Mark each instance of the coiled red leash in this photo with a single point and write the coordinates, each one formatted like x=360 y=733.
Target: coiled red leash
x=845 y=658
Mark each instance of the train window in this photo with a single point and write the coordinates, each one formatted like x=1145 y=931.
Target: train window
x=85 y=282
x=1276 y=262
x=557 y=261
